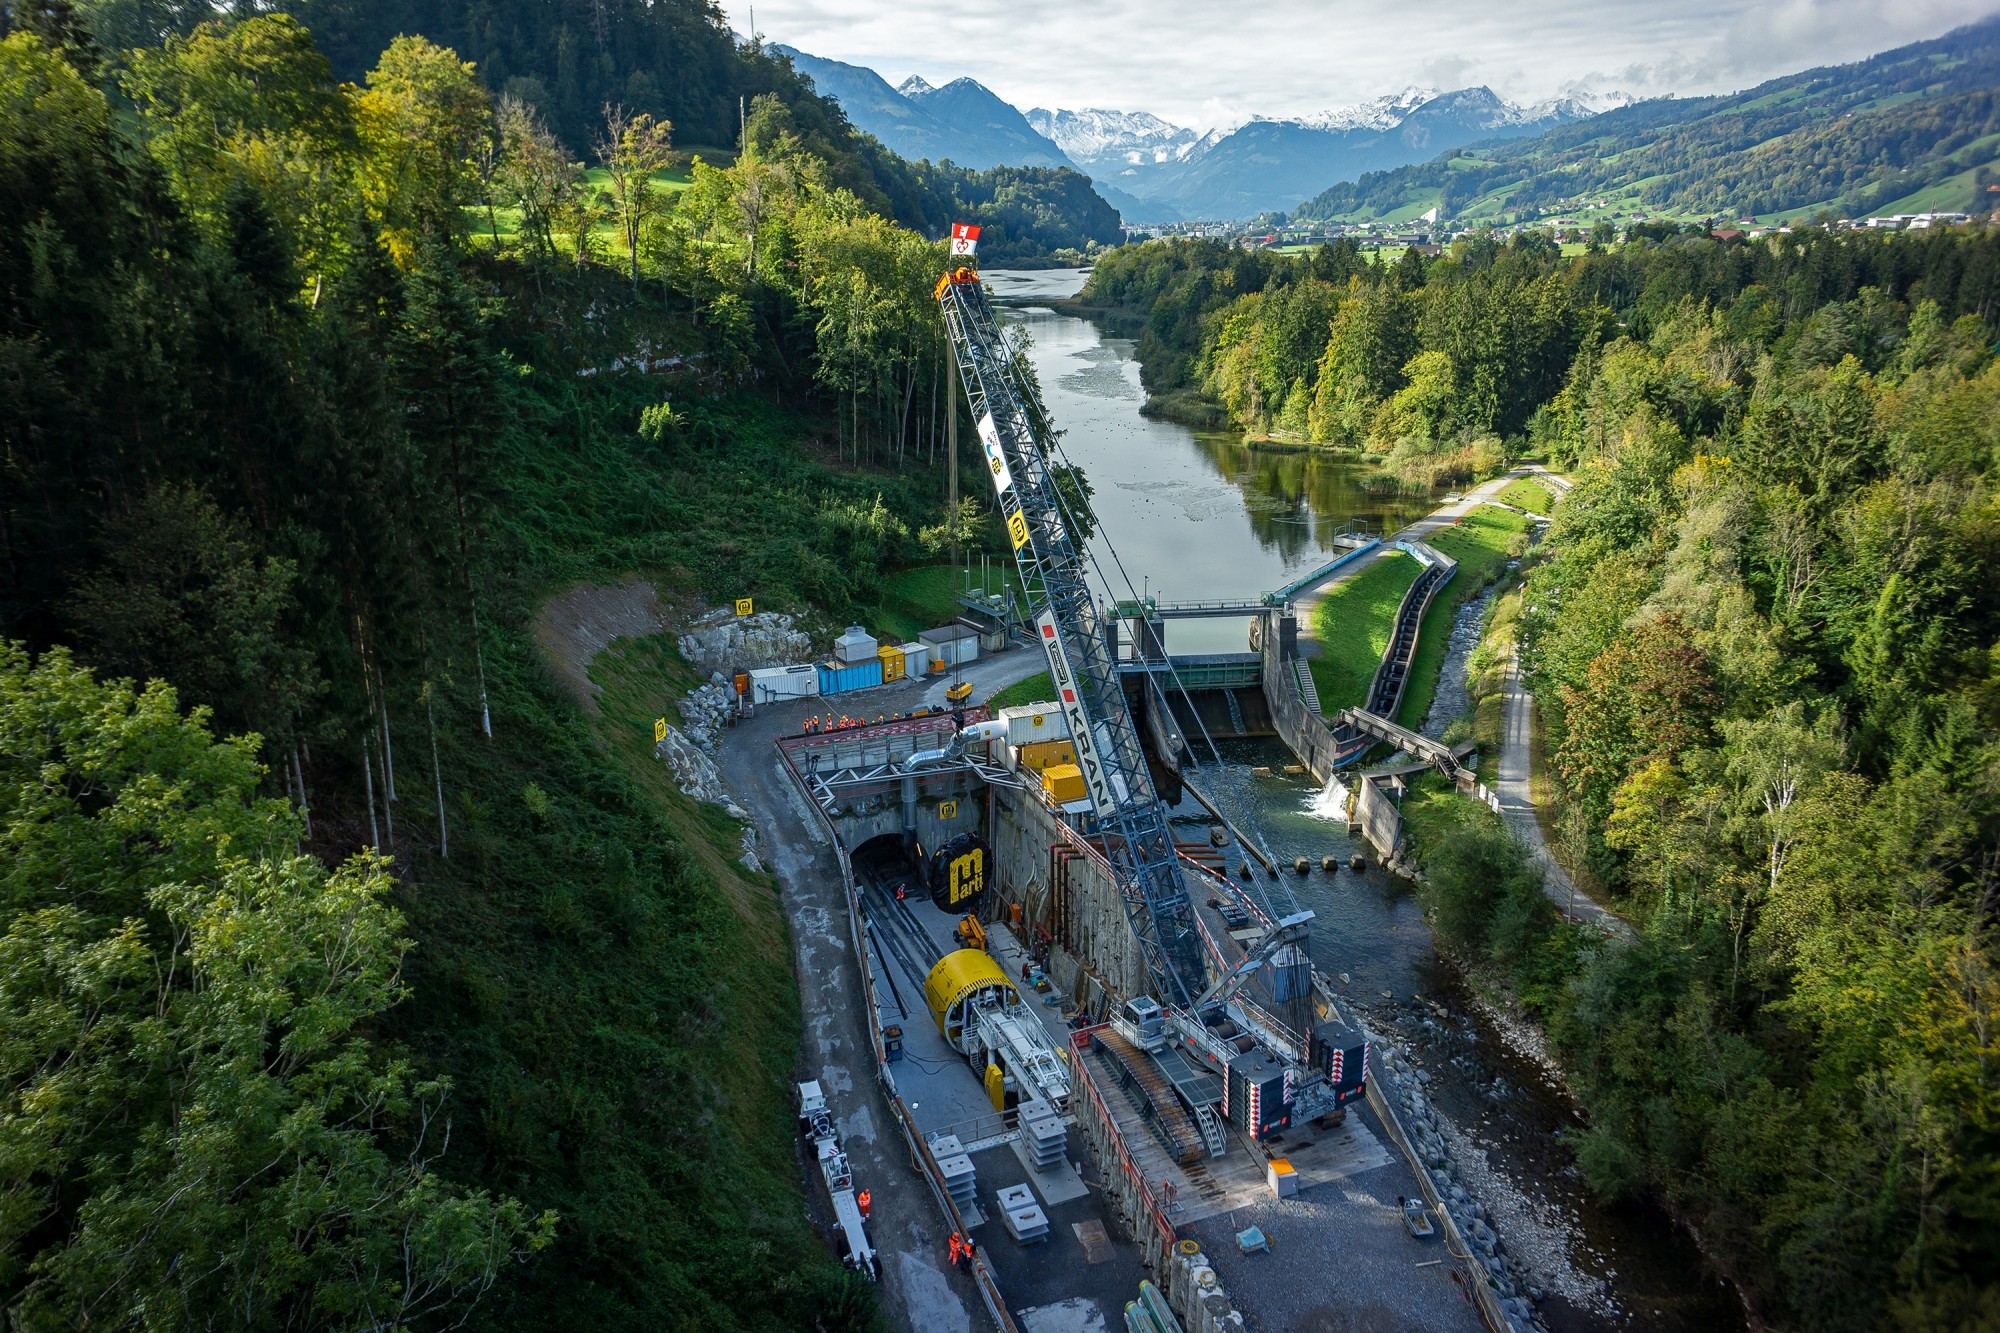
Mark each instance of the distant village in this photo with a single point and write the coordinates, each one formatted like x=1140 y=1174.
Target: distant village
x=1425 y=234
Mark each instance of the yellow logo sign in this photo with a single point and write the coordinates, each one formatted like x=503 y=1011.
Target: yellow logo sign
x=1017 y=528
x=947 y=809
x=968 y=877
x=659 y=730
x=743 y=606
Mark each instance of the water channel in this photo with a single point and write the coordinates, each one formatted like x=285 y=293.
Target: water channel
x=1200 y=514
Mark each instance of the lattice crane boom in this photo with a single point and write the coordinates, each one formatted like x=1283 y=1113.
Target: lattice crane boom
x=1014 y=436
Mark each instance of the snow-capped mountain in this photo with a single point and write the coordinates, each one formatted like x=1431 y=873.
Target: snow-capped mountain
x=1153 y=170
x=1383 y=113
x=1094 y=137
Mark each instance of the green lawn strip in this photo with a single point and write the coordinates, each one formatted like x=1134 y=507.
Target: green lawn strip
x=1479 y=543
x=914 y=600
x=1036 y=689
x=1352 y=625
x=1527 y=495
x=1431 y=808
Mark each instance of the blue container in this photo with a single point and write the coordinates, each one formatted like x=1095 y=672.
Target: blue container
x=835 y=679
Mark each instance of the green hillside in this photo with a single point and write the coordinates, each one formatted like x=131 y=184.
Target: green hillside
x=1912 y=129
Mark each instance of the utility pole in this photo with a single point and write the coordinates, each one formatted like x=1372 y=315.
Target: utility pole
x=951 y=467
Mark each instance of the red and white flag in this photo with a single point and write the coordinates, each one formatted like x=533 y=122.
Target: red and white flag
x=964 y=239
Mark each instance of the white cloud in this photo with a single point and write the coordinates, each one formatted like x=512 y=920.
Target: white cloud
x=1205 y=65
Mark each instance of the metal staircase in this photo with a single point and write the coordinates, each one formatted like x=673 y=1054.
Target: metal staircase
x=1210 y=1125
x=1308 y=688
x=1158 y=1103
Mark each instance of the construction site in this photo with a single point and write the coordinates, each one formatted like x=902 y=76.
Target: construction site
x=1101 y=1043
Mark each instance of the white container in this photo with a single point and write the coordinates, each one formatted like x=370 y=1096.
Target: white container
x=916 y=661
x=1028 y=723
x=954 y=645
x=786 y=682
x=855 y=647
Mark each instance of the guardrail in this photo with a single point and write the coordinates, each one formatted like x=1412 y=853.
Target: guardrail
x=1305 y=581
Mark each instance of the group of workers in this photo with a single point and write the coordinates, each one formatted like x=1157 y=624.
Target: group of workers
x=961 y=1251
x=814 y=725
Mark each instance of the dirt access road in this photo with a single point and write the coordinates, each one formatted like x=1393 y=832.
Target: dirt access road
x=919 y=1290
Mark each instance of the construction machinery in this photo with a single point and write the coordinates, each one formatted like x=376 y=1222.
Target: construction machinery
x=982 y=1016
x=1234 y=1028
x=850 y=1221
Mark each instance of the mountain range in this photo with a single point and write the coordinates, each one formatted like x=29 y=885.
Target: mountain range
x=1152 y=170
x=1912 y=130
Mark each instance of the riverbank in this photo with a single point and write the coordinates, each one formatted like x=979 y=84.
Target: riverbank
x=1194 y=513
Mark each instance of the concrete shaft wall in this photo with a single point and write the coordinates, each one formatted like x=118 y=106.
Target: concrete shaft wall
x=1381 y=822
x=1072 y=895
x=1296 y=724
x=865 y=817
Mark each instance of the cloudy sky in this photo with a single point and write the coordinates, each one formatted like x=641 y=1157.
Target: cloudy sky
x=1209 y=64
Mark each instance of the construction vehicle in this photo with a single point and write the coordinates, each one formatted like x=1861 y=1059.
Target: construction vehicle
x=969 y=933
x=1244 y=1040
x=850 y=1222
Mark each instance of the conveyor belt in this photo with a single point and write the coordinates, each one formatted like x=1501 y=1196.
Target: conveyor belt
x=1169 y=1121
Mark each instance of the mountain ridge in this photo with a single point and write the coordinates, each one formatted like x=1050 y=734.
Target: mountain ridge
x=1917 y=124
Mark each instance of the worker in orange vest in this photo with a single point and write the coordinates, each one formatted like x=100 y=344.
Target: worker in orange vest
x=969 y=1251
x=864 y=1200
x=957 y=1251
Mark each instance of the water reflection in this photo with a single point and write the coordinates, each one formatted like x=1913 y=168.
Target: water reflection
x=1190 y=514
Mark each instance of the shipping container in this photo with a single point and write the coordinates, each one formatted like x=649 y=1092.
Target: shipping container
x=1042 y=755
x=1063 y=783
x=954 y=645
x=892 y=663
x=916 y=660
x=785 y=682
x=857 y=647
x=1029 y=723
x=835 y=678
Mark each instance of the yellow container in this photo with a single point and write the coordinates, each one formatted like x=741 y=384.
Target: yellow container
x=892 y=663
x=1063 y=783
x=1038 y=755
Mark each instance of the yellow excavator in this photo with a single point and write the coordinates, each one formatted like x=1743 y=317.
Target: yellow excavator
x=969 y=933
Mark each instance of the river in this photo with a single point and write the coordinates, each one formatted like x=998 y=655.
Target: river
x=1200 y=514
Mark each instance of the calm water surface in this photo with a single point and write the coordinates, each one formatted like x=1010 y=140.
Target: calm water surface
x=1200 y=514
x=1192 y=514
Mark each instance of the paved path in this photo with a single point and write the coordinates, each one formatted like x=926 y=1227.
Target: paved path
x=1306 y=600
x=1517 y=807
x=1511 y=785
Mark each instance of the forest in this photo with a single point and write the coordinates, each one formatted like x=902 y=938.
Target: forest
x=295 y=437
x=1853 y=139
x=1763 y=636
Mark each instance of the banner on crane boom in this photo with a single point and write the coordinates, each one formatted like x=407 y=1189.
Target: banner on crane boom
x=996 y=459
x=1096 y=781
x=964 y=239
